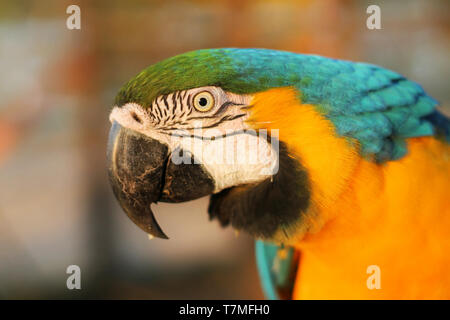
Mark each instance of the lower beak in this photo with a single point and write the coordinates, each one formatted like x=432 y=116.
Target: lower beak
x=136 y=168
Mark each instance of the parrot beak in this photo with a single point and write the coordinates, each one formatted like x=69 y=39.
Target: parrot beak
x=136 y=168
x=140 y=173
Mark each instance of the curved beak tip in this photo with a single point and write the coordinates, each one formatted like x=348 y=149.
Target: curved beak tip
x=146 y=221
x=154 y=229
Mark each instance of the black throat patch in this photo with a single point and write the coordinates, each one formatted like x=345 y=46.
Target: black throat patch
x=264 y=208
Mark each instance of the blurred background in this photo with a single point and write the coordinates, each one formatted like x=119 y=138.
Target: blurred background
x=56 y=90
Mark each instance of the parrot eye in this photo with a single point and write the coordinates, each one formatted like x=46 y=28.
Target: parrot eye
x=203 y=101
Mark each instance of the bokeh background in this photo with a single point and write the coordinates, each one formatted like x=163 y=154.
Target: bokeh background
x=56 y=90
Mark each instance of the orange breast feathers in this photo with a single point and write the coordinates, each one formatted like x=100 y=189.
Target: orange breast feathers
x=373 y=231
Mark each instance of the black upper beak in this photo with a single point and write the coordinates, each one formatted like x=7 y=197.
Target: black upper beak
x=141 y=172
x=136 y=168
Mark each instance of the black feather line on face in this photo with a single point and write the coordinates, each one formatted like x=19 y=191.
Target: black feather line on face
x=166 y=104
x=174 y=102
x=267 y=207
x=158 y=111
x=188 y=102
x=180 y=101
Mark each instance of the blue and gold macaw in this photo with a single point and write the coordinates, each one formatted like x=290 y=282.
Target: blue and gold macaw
x=352 y=166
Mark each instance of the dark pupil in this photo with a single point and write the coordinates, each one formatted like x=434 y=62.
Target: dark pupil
x=203 y=102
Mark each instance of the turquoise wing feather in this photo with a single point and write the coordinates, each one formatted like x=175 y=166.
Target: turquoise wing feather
x=276 y=271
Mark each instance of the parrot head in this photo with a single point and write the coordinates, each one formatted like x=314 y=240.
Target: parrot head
x=274 y=137
x=182 y=129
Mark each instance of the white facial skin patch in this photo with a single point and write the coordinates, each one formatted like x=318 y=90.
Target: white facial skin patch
x=219 y=139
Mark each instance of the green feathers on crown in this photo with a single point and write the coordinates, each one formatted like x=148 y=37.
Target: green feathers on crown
x=235 y=70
